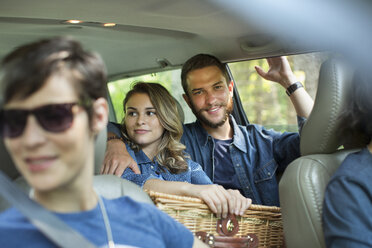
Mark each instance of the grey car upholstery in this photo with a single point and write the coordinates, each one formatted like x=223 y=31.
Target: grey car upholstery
x=304 y=182
x=109 y=186
x=181 y=114
x=6 y=164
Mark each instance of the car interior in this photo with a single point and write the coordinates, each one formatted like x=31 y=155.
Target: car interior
x=150 y=36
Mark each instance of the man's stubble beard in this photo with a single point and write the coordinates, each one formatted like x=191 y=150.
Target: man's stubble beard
x=228 y=108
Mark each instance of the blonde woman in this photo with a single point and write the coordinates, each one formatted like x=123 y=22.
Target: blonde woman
x=153 y=131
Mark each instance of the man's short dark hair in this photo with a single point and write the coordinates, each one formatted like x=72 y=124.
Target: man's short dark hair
x=25 y=70
x=200 y=61
x=356 y=118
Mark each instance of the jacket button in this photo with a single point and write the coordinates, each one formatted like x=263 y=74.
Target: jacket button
x=269 y=174
x=237 y=165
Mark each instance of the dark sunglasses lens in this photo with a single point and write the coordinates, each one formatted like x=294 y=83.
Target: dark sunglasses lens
x=55 y=118
x=13 y=122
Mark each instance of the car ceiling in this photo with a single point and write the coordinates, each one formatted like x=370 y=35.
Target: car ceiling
x=150 y=35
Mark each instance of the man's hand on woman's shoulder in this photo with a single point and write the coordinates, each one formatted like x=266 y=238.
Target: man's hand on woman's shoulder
x=117 y=159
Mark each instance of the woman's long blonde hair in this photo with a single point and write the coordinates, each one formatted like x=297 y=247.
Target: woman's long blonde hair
x=170 y=152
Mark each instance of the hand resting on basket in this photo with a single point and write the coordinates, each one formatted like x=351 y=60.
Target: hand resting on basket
x=222 y=201
x=219 y=200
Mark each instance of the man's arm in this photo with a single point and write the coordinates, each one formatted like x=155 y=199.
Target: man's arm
x=117 y=158
x=281 y=72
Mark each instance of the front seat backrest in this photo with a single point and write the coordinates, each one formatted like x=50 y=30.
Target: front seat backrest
x=99 y=151
x=6 y=164
x=181 y=114
x=303 y=184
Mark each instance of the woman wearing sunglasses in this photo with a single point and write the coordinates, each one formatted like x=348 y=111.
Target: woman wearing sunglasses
x=153 y=131
x=53 y=107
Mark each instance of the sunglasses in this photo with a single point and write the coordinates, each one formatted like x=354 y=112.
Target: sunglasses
x=53 y=118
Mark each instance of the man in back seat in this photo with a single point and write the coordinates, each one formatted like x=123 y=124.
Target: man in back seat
x=53 y=108
x=246 y=158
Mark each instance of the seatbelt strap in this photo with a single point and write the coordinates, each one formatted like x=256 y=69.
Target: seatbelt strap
x=49 y=224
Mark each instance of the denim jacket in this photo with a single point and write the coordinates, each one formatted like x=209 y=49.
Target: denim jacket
x=257 y=155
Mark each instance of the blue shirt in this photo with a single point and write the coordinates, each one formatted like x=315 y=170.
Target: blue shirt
x=152 y=170
x=347 y=208
x=132 y=223
x=257 y=155
x=224 y=172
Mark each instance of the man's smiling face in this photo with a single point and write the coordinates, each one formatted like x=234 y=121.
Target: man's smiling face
x=209 y=96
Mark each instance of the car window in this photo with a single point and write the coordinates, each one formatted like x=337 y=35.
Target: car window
x=266 y=102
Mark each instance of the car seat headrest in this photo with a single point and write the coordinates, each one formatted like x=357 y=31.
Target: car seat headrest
x=6 y=164
x=181 y=114
x=319 y=134
x=99 y=150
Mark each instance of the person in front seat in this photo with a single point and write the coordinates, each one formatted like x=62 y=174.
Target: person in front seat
x=347 y=208
x=245 y=158
x=53 y=108
x=153 y=130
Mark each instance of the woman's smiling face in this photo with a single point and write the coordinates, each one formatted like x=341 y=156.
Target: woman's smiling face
x=142 y=123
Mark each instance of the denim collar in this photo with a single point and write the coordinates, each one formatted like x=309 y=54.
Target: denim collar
x=238 y=137
x=238 y=140
x=141 y=158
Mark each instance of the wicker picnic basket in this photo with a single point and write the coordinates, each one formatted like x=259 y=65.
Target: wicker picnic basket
x=264 y=222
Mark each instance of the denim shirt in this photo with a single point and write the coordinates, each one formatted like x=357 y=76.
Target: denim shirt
x=347 y=219
x=257 y=155
x=152 y=170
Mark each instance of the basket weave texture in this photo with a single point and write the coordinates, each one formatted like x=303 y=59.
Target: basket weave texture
x=264 y=221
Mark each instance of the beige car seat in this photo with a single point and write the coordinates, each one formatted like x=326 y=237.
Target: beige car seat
x=303 y=184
